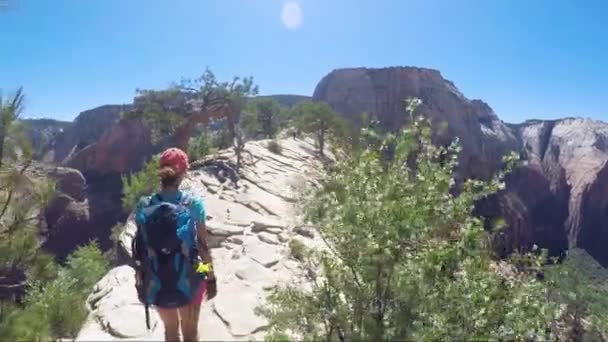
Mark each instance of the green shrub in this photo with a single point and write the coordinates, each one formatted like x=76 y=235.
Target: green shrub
x=581 y=284
x=112 y=255
x=222 y=139
x=274 y=147
x=406 y=258
x=117 y=229
x=200 y=146
x=53 y=304
x=56 y=309
x=266 y=116
x=138 y=184
x=297 y=249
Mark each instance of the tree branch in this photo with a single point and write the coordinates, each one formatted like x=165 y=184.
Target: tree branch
x=12 y=191
x=332 y=249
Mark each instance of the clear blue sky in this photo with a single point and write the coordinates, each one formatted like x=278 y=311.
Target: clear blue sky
x=526 y=58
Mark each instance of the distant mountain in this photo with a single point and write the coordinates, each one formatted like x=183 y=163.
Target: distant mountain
x=43 y=132
x=286 y=100
x=556 y=201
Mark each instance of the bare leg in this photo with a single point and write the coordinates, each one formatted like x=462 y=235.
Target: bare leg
x=170 y=320
x=189 y=321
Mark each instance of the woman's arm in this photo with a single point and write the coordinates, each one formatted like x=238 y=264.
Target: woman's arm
x=203 y=248
x=205 y=255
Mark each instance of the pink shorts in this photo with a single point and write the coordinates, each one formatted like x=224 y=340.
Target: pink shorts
x=201 y=293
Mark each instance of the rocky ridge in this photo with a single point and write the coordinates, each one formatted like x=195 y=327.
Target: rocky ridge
x=102 y=147
x=42 y=133
x=250 y=224
x=555 y=201
x=86 y=129
x=571 y=154
x=381 y=92
x=66 y=217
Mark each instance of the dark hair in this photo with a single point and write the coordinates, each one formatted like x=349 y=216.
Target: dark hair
x=168 y=177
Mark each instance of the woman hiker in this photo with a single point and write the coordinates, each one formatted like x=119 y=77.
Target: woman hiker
x=173 y=167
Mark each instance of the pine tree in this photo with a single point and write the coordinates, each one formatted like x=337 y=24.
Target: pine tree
x=34 y=291
x=177 y=111
x=21 y=199
x=319 y=119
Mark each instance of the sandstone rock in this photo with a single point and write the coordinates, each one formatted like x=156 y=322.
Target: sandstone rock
x=533 y=213
x=115 y=310
x=246 y=266
x=223 y=229
x=258 y=226
x=123 y=147
x=266 y=255
x=283 y=237
x=235 y=239
x=305 y=231
x=572 y=154
x=66 y=223
x=268 y=238
x=92 y=145
x=555 y=201
x=127 y=235
x=274 y=230
x=42 y=133
x=86 y=129
x=70 y=182
x=211 y=326
x=66 y=219
x=237 y=310
x=484 y=138
x=253 y=273
x=120 y=147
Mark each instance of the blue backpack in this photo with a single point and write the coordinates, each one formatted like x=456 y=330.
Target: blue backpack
x=165 y=253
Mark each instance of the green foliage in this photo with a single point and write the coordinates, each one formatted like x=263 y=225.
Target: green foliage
x=200 y=146
x=87 y=264
x=405 y=257
x=581 y=284
x=56 y=309
x=175 y=112
x=113 y=255
x=13 y=140
x=117 y=229
x=275 y=147
x=297 y=249
x=21 y=200
x=163 y=111
x=288 y=117
x=222 y=139
x=319 y=119
x=54 y=300
x=267 y=113
x=138 y=184
x=210 y=91
x=248 y=123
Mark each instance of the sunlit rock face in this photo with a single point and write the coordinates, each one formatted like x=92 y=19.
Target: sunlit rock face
x=250 y=223
x=557 y=200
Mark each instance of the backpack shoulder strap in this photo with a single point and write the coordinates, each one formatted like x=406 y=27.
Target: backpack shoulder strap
x=185 y=200
x=155 y=199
